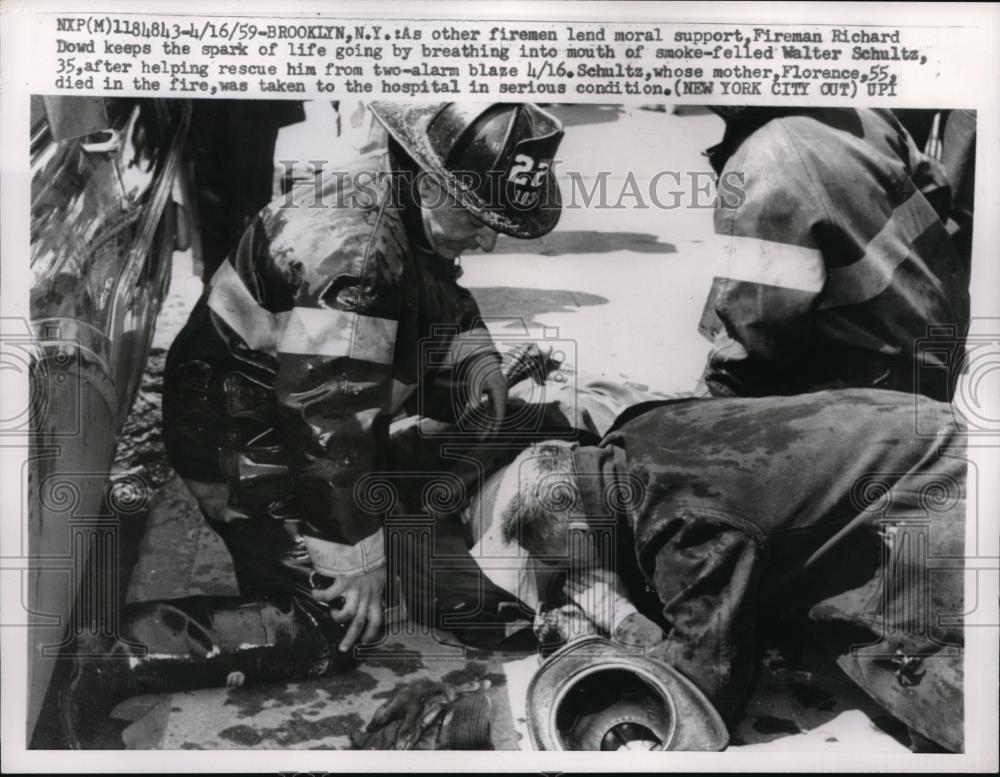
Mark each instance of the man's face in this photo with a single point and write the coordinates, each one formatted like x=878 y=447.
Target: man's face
x=451 y=228
x=509 y=565
x=526 y=544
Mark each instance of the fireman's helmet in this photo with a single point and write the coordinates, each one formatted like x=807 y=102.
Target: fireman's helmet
x=496 y=160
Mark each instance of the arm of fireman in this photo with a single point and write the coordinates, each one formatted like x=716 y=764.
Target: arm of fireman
x=334 y=379
x=473 y=339
x=706 y=574
x=759 y=311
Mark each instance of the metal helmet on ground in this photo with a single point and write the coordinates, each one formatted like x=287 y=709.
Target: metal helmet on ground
x=593 y=694
x=495 y=159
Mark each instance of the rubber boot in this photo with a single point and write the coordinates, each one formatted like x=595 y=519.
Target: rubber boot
x=197 y=642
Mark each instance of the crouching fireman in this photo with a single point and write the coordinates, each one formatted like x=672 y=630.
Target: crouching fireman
x=279 y=389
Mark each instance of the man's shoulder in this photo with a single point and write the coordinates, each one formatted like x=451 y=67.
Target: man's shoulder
x=781 y=141
x=827 y=137
x=795 y=167
x=652 y=411
x=874 y=414
x=339 y=215
x=342 y=190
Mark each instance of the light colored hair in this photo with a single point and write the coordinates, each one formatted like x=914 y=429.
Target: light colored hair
x=538 y=517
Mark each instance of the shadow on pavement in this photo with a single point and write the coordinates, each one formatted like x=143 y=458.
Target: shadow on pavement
x=585 y=242
x=526 y=304
x=575 y=115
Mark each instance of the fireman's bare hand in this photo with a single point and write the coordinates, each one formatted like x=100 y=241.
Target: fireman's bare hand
x=496 y=392
x=601 y=595
x=362 y=605
x=486 y=378
x=639 y=631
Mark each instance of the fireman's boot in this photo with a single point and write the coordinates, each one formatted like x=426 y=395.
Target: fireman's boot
x=197 y=642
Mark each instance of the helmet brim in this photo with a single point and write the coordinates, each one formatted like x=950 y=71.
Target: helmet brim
x=695 y=723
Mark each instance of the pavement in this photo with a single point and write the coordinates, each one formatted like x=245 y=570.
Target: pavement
x=621 y=290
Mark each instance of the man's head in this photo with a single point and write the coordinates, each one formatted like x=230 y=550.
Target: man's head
x=494 y=160
x=537 y=498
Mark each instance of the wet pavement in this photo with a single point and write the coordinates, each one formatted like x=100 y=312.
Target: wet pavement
x=640 y=326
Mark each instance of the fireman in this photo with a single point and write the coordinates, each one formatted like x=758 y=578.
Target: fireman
x=338 y=303
x=839 y=263
x=696 y=524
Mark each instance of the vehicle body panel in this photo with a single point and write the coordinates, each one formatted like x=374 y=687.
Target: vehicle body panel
x=103 y=230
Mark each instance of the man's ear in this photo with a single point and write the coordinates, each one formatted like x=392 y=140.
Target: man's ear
x=429 y=191
x=424 y=186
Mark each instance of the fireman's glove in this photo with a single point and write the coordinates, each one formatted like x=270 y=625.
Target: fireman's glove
x=422 y=717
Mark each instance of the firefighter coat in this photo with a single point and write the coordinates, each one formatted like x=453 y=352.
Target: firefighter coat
x=847 y=506
x=330 y=314
x=839 y=269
